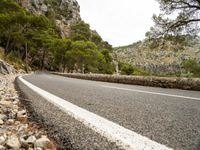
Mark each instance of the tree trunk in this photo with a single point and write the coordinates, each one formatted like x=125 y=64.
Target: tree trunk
x=7 y=45
x=26 y=58
x=64 y=66
x=43 y=57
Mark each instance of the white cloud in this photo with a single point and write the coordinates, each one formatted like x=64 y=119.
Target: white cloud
x=120 y=22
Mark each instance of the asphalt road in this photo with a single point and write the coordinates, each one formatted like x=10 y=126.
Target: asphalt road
x=169 y=118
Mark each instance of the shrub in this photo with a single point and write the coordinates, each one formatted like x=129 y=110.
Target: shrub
x=191 y=66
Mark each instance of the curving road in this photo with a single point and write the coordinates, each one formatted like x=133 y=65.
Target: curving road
x=170 y=117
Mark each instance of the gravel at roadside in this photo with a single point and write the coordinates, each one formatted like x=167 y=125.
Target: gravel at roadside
x=16 y=131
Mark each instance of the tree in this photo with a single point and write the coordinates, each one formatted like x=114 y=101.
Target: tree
x=59 y=48
x=12 y=16
x=80 y=31
x=187 y=14
x=105 y=64
x=43 y=40
x=83 y=55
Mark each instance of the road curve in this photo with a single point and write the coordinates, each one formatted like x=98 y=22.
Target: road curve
x=168 y=116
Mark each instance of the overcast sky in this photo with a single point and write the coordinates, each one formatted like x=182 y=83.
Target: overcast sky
x=120 y=22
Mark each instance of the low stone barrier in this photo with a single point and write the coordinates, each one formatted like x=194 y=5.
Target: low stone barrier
x=164 y=82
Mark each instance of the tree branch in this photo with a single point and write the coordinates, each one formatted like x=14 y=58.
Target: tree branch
x=188 y=5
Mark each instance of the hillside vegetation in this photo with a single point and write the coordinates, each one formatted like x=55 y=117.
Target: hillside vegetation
x=36 y=39
x=164 y=57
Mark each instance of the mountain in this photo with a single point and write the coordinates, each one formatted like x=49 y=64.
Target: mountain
x=158 y=57
x=65 y=12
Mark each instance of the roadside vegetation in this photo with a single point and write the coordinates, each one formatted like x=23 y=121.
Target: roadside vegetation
x=128 y=69
x=171 y=46
x=33 y=41
x=184 y=25
x=36 y=41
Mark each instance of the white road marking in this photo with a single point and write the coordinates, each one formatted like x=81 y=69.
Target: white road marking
x=147 y=92
x=123 y=137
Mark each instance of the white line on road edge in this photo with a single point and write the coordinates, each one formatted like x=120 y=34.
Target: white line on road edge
x=123 y=137
x=147 y=92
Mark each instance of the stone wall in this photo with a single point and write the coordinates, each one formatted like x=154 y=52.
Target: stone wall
x=164 y=82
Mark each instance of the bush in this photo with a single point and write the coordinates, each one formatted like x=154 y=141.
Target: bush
x=126 y=69
x=191 y=66
x=140 y=72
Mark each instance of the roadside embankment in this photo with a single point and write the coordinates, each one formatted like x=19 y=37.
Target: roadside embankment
x=164 y=82
x=16 y=131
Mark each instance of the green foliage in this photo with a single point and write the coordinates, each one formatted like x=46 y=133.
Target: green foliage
x=127 y=69
x=82 y=32
x=192 y=67
x=105 y=62
x=140 y=72
x=57 y=9
x=36 y=39
x=186 y=14
x=102 y=62
x=14 y=58
x=83 y=55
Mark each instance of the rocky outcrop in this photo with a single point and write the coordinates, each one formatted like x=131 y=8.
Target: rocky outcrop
x=164 y=82
x=67 y=12
x=158 y=60
x=5 y=68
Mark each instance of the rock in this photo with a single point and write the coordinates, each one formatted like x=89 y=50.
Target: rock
x=21 y=113
x=13 y=142
x=12 y=115
x=43 y=143
x=30 y=140
x=44 y=8
x=21 y=116
x=15 y=102
x=1 y=121
x=23 y=127
x=3 y=117
x=21 y=71
x=17 y=122
x=67 y=10
x=13 y=98
x=2 y=140
x=6 y=103
x=2 y=147
x=38 y=148
x=10 y=121
x=5 y=68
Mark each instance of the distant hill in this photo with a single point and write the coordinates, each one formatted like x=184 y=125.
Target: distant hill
x=163 y=57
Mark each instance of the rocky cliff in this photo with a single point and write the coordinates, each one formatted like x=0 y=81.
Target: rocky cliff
x=159 y=59
x=65 y=12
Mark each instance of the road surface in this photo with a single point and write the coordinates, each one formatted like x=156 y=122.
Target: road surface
x=170 y=117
